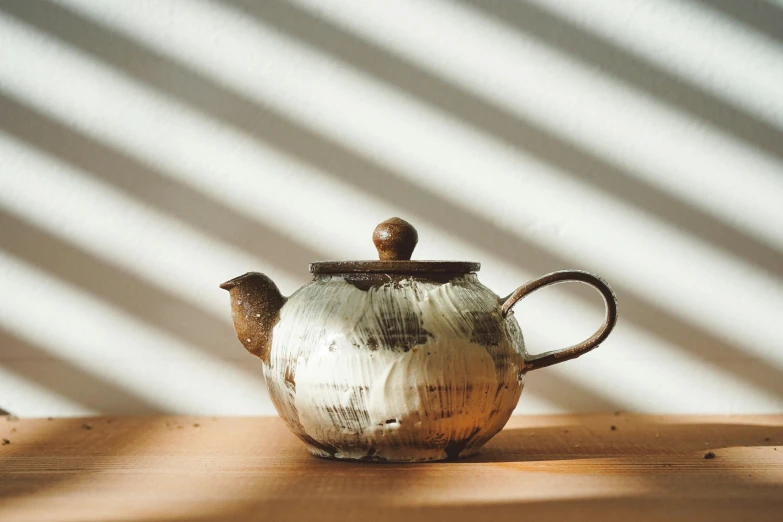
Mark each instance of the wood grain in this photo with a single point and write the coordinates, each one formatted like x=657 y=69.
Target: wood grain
x=538 y=468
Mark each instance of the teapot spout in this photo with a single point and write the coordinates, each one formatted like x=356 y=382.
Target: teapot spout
x=255 y=309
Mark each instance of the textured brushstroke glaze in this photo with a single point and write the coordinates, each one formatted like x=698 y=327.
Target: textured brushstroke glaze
x=411 y=370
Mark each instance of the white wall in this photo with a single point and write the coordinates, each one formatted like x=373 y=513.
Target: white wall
x=150 y=150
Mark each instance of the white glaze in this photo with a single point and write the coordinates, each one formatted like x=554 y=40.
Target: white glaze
x=400 y=370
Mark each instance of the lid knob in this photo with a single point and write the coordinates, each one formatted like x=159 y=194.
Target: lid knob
x=395 y=239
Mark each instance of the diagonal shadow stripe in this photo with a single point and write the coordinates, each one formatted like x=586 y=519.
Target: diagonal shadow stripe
x=571 y=159
x=334 y=159
x=758 y=15
x=633 y=70
x=558 y=389
x=72 y=382
x=122 y=289
x=154 y=187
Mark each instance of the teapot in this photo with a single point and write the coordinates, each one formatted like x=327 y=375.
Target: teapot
x=395 y=360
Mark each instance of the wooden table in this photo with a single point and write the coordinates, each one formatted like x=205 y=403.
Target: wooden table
x=594 y=467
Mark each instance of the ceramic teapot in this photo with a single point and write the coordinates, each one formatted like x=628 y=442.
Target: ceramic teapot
x=395 y=360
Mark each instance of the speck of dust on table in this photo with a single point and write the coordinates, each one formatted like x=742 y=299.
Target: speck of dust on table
x=569 y=467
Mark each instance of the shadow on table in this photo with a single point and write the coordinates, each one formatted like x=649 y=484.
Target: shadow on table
x=62 y=464
x=665 y=462
x=616 y=437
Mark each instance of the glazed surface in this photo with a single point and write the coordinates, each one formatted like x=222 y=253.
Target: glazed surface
x=406 y=371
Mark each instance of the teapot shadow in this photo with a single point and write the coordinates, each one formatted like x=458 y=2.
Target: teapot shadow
x=631 y=438
x=615 y=438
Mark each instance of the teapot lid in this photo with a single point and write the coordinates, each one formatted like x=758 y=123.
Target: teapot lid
x=395 y=240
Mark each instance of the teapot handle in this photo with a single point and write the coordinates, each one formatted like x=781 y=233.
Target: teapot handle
x=556 y=356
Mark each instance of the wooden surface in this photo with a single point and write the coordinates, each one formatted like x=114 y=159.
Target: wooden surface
x=538 y=468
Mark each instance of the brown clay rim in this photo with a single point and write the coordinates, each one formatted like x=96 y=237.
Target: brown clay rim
x=394 y=267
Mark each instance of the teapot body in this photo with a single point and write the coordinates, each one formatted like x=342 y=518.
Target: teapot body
x=396 y=360
x=395 y=367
